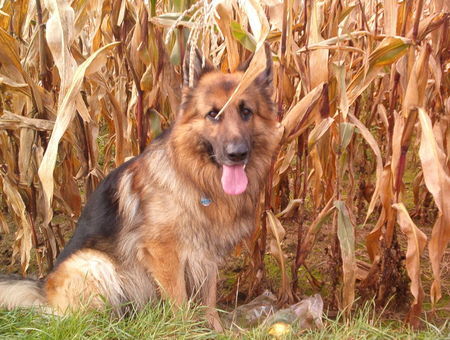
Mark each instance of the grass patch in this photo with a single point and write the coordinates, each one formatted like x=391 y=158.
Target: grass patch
x=161 y=322
x=368 y=323
x=154 y=322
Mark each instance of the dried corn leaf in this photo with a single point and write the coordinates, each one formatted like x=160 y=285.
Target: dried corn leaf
x=23 y=243
x=4 y=227
x=284 y=162
x=293 y=204
x=339 y=68
x=276 y=250
x=12 y=67
x=415 y=92
x=362 y=129
x=390 y=17
x=225 y=12
x=9 y=55
x=318 y=59
x=299 y=117
x=66 y=112
x=387 y=216
x=59 y=36
x=260 y=28
x=389 y=51
x=12 y=121
x=346 y=235
x=27 y=137
x=318 y=131
x=437 y=180
x=313 y=229
x=416 y=244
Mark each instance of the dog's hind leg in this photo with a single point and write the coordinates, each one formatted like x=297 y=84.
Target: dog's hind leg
x=87 y=279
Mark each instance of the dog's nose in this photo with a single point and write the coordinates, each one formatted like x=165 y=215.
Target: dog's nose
x=237 y=152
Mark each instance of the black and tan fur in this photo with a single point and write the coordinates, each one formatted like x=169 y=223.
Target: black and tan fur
x=143 y=232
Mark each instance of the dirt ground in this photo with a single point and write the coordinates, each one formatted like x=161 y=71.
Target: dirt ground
x=317 y=264
x=318 y=267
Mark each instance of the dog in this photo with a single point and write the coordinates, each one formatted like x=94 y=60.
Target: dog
x=161 y=224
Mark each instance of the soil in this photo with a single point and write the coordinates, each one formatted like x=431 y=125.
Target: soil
x=6 y=240
x=315 y=279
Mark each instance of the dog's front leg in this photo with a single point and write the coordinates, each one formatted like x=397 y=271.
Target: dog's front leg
x=209 y=299
x=164 y=264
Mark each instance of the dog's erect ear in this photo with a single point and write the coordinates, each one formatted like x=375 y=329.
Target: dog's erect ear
x=198 y=68
x=244 y=66
x=265 y=78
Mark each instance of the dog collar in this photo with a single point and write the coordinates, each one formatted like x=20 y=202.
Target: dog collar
x=205 y=201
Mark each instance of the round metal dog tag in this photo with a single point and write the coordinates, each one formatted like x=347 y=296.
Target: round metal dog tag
x=205 y=201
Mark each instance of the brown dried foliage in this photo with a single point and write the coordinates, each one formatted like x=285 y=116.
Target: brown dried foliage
x=85 y=85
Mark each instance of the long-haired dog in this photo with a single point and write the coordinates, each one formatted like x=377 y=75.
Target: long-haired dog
x=162 y=223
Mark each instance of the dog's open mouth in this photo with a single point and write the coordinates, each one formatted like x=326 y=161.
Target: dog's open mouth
x=234 y=179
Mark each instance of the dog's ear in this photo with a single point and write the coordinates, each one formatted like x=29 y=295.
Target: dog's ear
x=195 y=59
x=244 y=66
x=265 y=78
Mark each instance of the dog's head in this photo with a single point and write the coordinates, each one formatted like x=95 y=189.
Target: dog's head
x=230 y=140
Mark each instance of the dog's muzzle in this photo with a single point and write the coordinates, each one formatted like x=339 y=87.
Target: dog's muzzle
x=237 y=152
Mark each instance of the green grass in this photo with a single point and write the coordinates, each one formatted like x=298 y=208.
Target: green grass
x=160 y=322
x=157 y=322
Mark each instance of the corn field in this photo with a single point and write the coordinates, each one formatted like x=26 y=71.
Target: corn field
x=361 y=93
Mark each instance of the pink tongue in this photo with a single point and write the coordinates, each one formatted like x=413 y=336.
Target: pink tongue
x=234 y=179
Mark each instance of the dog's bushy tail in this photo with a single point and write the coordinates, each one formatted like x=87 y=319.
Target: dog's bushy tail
x=25 y=293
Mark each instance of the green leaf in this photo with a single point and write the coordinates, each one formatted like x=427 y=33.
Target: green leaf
x=179 y=5
x=245 y=38
x=346 y=131
x=346 y=238
x=175 y=55
x=155 y=123
x=152 y=8
x=318 y=131
x=389 y=51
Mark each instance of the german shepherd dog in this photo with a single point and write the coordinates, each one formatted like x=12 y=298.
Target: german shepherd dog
x=162 y=223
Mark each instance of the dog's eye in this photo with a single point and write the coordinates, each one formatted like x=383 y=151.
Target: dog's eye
x=213 y=114
x=246 y=113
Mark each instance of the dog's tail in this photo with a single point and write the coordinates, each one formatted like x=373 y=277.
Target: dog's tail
x=16 y=293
